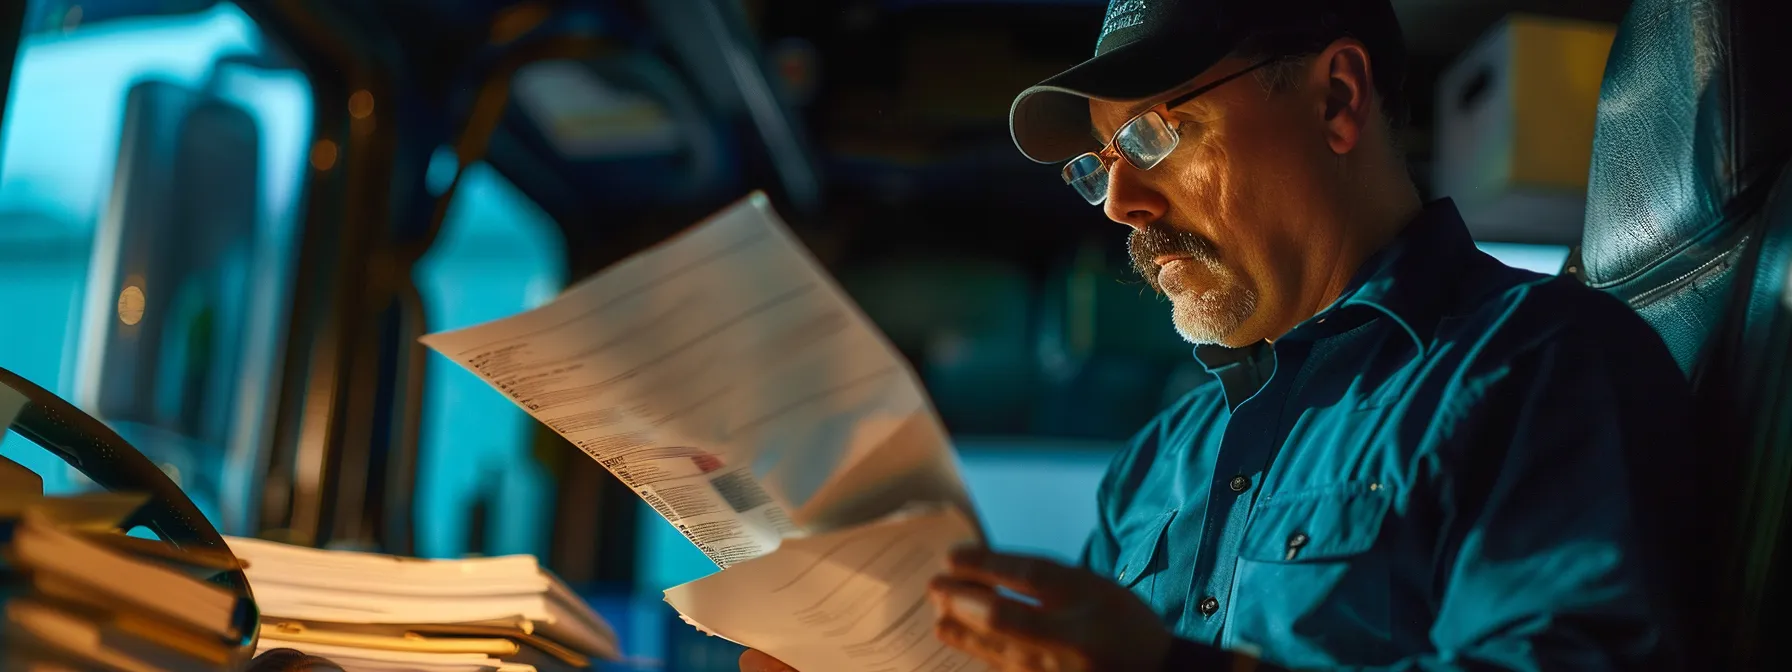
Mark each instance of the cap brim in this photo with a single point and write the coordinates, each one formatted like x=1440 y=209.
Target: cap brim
x=1050 y=121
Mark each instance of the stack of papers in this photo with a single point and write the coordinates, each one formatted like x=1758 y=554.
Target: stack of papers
x=727 y=380
x=371 y=612
x=75 y=594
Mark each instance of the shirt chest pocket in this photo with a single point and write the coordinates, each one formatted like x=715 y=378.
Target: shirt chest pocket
x=1143 y=558
x=1309 y=563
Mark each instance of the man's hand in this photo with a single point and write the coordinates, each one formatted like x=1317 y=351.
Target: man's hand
x=1081 y=622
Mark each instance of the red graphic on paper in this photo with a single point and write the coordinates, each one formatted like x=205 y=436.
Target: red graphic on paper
x=707 y=463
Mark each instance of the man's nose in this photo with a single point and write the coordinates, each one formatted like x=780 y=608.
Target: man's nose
x=1131 y=199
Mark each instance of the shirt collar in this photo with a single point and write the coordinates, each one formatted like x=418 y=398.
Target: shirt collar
x=1407 y=281
x=1241 y=371
x=1410 y=277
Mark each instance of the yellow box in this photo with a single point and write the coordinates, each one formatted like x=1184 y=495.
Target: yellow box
x=1514 y=131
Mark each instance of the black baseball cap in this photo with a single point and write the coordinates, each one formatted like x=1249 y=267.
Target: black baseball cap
x=1149 y=47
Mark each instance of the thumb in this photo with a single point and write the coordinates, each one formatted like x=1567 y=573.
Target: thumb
x=755 y=660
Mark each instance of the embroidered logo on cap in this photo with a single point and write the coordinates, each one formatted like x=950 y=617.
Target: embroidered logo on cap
x=1122 y=14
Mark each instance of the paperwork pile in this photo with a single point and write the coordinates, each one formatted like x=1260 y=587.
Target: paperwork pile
x=727 y=380
x=78 y=595
x=367 y=612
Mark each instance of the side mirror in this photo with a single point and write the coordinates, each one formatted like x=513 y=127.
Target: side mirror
x=162 y=333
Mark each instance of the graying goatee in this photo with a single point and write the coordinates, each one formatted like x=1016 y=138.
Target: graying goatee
x=1158 y=239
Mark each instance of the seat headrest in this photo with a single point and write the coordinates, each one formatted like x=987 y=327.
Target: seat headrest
x=1695 y=121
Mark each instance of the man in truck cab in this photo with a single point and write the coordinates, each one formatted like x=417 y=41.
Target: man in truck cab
x=1410 y=456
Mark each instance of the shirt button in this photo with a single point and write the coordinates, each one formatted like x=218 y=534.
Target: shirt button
x=1209 y=605
x=1295 y=542
x=1240 y=483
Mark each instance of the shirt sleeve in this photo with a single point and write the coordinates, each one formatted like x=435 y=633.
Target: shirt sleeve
x=1558 y=510
x=1124 y=479
x=1102 y=550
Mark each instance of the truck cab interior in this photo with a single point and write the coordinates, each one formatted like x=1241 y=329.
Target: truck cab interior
x=224 y=225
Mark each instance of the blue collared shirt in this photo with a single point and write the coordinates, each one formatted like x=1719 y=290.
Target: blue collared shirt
x=1458 y=465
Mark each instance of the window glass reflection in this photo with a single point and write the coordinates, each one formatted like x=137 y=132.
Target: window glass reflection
x=497 y=255
x=1539 y=258
x=64 y=124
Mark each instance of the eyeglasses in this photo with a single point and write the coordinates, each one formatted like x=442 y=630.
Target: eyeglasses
x=1144 y=141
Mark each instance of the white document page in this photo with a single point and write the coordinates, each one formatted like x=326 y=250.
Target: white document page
x=854 y=599
x=727 y=380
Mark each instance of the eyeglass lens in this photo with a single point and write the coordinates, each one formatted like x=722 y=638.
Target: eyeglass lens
x=1144 y=142
x=1088 y=174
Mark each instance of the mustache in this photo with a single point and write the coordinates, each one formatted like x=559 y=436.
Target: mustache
x=1159 y=238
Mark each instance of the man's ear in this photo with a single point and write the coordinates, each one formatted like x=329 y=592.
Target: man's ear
x=1349 y=92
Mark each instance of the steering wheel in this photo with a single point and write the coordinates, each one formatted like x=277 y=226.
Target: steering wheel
x=107 y=459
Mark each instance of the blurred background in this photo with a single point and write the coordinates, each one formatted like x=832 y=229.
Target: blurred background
x=223 y=225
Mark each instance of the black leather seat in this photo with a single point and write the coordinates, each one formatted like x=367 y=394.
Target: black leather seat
x=1689 y=219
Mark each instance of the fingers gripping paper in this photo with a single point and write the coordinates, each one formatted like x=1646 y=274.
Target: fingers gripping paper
x=727 y=380
x=854 y=599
